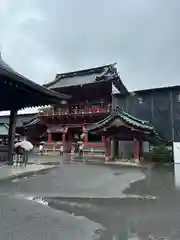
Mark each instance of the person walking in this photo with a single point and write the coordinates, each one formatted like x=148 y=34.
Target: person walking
x=25 y=157
x=41 y=149
x=61 y=150
x=18 y=155
x=25 y=147
x=81 y=149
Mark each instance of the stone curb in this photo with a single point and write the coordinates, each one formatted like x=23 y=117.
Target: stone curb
x=101 y=163
x=47 y=163
x=119 y=165
x=26 y=174
x=100 y=199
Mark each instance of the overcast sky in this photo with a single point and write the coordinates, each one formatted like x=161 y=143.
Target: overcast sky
x=39 y=38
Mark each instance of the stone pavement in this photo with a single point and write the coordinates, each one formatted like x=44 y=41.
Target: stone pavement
x=45 y=159
x=68 y=158
x=10 y=172
x=129 y=164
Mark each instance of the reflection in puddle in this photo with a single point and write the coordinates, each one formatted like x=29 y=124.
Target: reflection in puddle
x=15 y=180
x=153 y=214
x=148 y=210
x=117 y=173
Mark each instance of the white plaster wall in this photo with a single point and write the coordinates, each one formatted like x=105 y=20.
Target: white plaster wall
x=126 y=148
x=145 y=147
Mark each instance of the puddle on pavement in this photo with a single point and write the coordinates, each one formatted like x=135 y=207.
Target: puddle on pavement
x=97 y=234
x=117 y=173
x=128 y=218
x=152 y=214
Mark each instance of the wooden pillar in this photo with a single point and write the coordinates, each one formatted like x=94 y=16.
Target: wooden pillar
x=63 y=138
x=70 y=139
x=113 y=150
x=11 y=135
x=108 y=149
x=141 y=155
x=86 y=138
x=136 y=150
x=49 y=137
x=103 y=140
x=85 y=134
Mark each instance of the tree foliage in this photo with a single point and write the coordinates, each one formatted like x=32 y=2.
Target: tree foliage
x=162 y=154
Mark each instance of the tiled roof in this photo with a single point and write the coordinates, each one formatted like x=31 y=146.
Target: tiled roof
x=20 y=87
x=77 y=77
x=4 y=129
x=22 y=119
x=128 y=120
x=32 y=122
x=87 y=76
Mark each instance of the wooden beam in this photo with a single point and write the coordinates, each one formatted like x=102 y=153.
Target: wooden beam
x=11 y=135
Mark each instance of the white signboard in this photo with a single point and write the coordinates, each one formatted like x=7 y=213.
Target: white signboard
x=176 y=152
x=177 y=175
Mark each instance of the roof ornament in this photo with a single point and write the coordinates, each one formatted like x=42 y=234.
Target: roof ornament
x=104 y=74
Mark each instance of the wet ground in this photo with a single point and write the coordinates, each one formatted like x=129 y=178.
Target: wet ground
x=91 y=202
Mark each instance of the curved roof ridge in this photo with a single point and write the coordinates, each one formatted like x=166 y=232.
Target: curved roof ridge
x=77 y=73
x=132 y=117
x=127 y=118
x=4 y=64
x=6 y=70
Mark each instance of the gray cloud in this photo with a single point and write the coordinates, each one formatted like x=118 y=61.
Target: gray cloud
x=42 y=37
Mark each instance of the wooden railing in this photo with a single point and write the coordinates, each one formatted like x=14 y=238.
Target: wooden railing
x=75 y=111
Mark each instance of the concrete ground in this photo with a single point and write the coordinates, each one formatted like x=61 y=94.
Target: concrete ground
x=80 y=180
x=91 y=202
x=7 y=172
x=45 y=159
x=67 y=158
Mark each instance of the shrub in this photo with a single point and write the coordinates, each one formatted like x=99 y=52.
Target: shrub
x=161 y=154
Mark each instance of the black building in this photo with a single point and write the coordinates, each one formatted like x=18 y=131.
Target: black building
x=161 y=106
